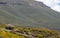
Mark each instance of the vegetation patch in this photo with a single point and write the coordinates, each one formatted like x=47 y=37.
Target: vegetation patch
x=11 y=31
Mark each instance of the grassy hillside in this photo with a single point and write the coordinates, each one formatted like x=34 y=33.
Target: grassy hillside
x=26 y=32
x=29 y=13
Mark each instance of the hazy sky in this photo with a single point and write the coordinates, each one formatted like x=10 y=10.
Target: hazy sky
x=54 y=4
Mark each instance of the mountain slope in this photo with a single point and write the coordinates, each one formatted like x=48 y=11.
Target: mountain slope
x=29 y=13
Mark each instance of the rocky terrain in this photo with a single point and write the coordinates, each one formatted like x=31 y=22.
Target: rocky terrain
x=8 y=31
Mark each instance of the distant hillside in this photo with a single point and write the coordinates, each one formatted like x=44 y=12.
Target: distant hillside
x=29 y=13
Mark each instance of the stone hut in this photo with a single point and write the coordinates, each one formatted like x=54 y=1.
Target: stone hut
x=9 y=27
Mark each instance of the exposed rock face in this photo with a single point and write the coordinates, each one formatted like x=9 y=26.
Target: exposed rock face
x=3 y=2
x=9 y=27
x=42 y=4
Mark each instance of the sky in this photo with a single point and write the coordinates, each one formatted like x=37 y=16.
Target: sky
x=54 y=4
